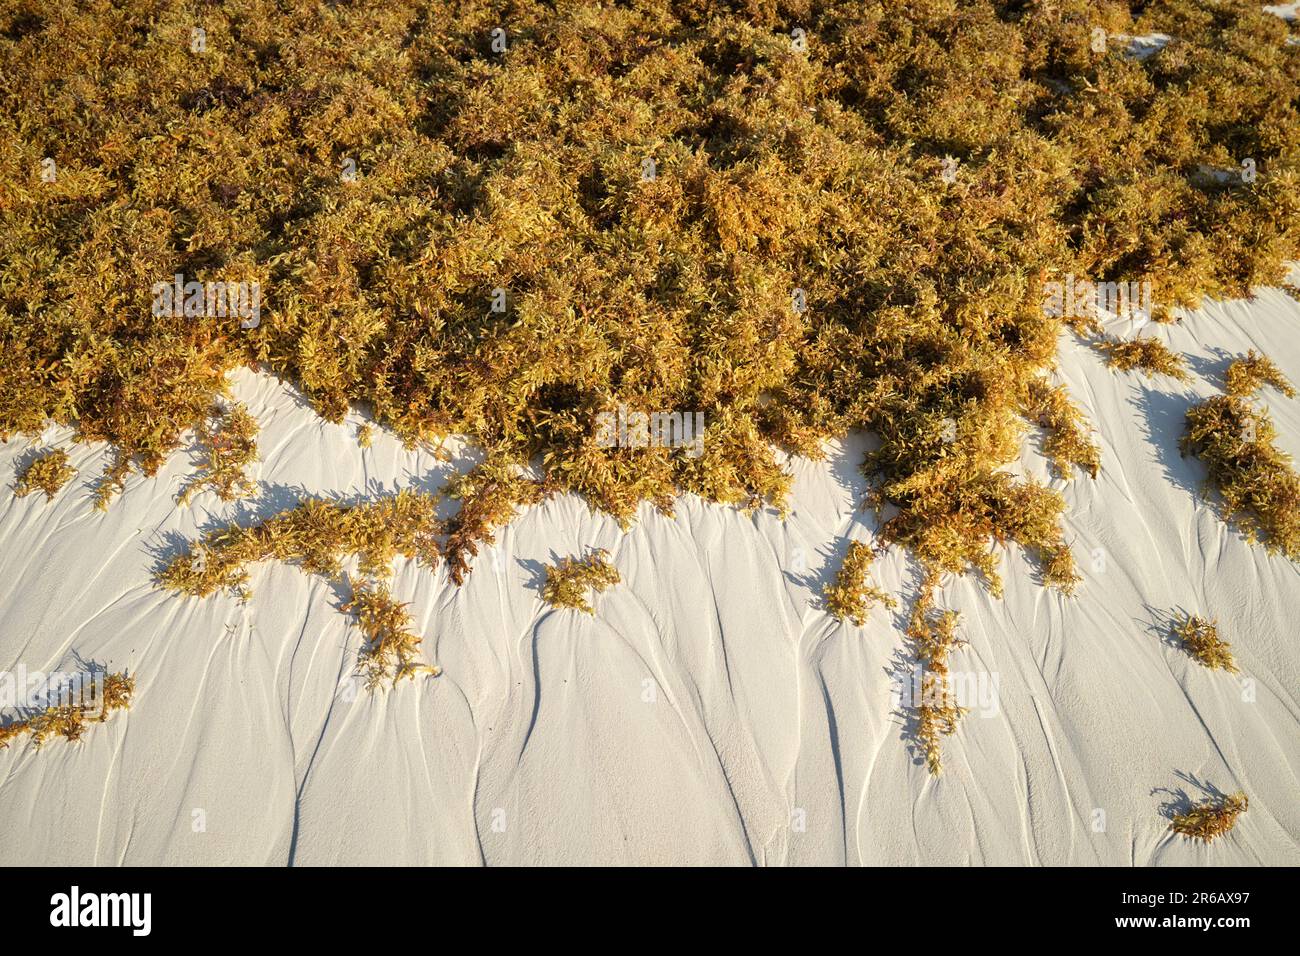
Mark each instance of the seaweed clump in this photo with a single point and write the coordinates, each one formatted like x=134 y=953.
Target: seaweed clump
x=391 y=648
x=1259 y=490
x=315 y=534
x=1150 y=355
x=319 y=535
x=229 y=441
x=1211 y=818
x=70 y=721
x=489 y=495
x=997 y=510
x=47 y=473
x=1069 y=441
x=1248 y=375
x=1200 y=638
x=568 y=581
x=933 y=635
x=853 y=594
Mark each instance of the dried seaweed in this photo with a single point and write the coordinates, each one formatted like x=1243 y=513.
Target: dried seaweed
x=569 y=580
x=1211 y=818
x=853 y=594
x=47 y=473
x=317 y=535
x=1068 y=436
x=1148 y=354
x=1258 y=489
x=228 y=439
x=391 y=648
x=489 y=494
x=70 y=721
x=1245 y=377
x=932 y=635
x=1200 y=638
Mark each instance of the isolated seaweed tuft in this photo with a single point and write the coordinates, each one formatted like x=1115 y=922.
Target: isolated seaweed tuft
x=48 y=473
x=391 y=648
x=569 y=580
x=1200 y=638
x=1147 y=354
x=853 y=594
x=1248 y=375
x=932 y=635
x=71 y=721
x=1211 y=818
x=1258 y=489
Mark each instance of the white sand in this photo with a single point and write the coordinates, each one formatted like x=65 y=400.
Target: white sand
x=1287 y=11
x=708 y=713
